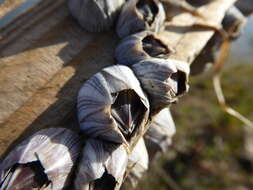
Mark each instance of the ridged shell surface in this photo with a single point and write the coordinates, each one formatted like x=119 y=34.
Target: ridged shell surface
x=233 y=22
x=245 y=6
x=100 y=166
x=159 y=135
x=164 y=80
x=95 y=15
x=137 y=164
x=132 y=48
x=97 y=100
x=56 y=148
x=139 y=15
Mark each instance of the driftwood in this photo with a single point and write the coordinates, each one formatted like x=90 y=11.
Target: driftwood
x=45 y=60
x=7 y=6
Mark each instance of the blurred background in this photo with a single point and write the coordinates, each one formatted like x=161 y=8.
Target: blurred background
x=211 y=150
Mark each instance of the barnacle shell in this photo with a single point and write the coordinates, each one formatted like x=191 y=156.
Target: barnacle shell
x=95 y=15
x=140 y=46
x=139 y=15
x=101 y=167
x=45 y=159
x=164 y=80
x=159 y=135
x=198 y=3
x=233 y=22
x=245 y=6
x=112 y=106
x=137 y=165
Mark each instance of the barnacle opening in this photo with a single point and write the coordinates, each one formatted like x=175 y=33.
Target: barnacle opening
x=106 y=182
x=128 y=111
x=148 y=9
x=180 y=78
x=22 y=176
x=154 y=47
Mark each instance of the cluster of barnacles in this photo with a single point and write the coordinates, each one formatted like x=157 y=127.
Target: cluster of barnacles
x=116 y=106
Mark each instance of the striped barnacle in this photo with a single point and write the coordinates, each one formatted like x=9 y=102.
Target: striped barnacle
x=95 y=15
x=43 y=161
x=140 y=46
x=137 y=165
x=163 y=79
x=159 y=135
x=140 y=15
x=112 y=105
x=101 y=167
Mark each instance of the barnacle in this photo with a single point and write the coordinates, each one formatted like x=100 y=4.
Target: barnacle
x=95 y=15
x=140 y=46
x=245 y=6
x=164 y=80
x=43 y=161
x=112 y=106
x=139 y=15
x=159 y=135
x=137 y=165
x=101 y=166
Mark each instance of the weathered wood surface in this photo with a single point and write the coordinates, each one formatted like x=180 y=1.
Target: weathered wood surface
x=43 y=65
x=7 y=6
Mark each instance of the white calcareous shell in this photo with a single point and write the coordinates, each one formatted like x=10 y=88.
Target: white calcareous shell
x=159 y=135
x=233 y=22
x=140 y=15
x=112 y=106
x=245 y=6
x=101 y=167
x=49 y=153
x=140 y=46
x=137 y=165
x=164 y=80
x=95 y=15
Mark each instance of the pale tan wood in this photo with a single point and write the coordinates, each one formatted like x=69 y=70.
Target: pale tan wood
x=193 y=41
x=41 y=81
x=29 y=62
x=54 y=102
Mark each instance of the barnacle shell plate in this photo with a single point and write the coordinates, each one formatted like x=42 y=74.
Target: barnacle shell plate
x=131 y=20
x=100 y=165
x=96 y=100
x=163 y=79
x=56 y=148
x=159 y=135
x=131 y=49
x=95 y=15
x=137 y=163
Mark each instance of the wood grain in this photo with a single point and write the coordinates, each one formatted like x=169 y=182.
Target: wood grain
x=9 y=5
x=42 y=70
